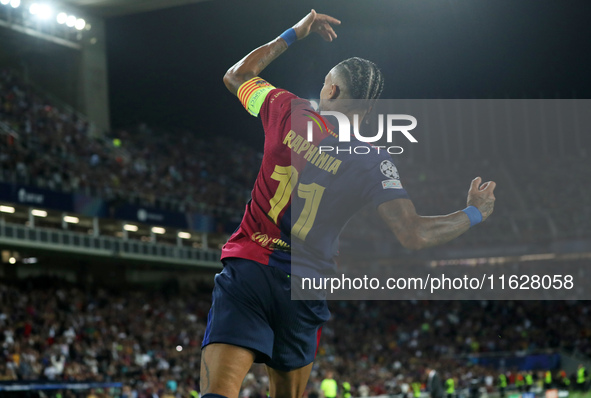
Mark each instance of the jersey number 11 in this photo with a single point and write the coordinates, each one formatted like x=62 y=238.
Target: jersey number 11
x=287 y=176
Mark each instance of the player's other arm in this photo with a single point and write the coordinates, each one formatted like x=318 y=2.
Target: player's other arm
x=254 y=63
x=418 y=232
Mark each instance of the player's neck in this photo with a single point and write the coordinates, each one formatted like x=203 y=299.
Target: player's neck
x=355 y=118
x=350 y=115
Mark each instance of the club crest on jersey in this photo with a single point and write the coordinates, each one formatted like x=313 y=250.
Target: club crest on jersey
x=389 y=170
x=262 y=83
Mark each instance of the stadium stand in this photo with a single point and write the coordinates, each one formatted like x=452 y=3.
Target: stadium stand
x=179 y=171
x=174 y=170
x=53 y=331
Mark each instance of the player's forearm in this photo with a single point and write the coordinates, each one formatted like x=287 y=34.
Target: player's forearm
x=253 y=64
x=417 y=232
x=437 y=230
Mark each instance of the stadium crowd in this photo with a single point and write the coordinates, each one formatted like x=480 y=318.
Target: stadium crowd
x=55 y=149
x=53 y=331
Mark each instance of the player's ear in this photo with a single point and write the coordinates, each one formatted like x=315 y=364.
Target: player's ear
x=334 y=92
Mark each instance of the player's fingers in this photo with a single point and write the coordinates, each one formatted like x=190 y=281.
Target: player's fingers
x=491 y=185
x=327 y=32
x=489 y=191
x=485 y=186
x=310 y=18
x=326 y=36
x=323 y=33
x=329 y=19
x=331 y=32
x=475 y=183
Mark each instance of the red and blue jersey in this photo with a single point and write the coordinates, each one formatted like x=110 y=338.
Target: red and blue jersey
x=303 y=196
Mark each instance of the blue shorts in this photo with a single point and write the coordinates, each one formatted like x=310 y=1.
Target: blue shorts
x=252 y=308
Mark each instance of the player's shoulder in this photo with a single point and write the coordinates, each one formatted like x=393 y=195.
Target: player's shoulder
x=366 y=155
x=280 y=94
x=373 y=163
x=282 y=97
x=281 y=104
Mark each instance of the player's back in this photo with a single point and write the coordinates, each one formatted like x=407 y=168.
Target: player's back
x=303 y=196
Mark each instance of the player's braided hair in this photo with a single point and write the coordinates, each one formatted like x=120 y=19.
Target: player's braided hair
x=364 y=80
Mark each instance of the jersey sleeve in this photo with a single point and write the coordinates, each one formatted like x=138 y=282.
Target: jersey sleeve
x=273 y=105
x=252 y=94
x=381 y=181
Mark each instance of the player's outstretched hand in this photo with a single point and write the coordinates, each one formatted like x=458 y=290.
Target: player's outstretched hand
x=482 y=197
x=318 y=23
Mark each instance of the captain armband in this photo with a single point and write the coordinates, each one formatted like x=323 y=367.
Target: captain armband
x=252 y=94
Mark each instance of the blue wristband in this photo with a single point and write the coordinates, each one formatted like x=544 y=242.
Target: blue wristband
x=289 y=36
x=474 y=215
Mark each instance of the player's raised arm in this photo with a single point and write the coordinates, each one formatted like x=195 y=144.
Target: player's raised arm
x=254 y=63
x=418 y=232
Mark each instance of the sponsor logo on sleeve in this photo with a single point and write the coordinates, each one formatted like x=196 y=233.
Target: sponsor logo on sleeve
x=391 y=184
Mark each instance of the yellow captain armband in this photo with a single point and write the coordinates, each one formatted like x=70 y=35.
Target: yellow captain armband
x=252 y=94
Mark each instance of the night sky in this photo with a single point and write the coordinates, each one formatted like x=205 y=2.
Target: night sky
x=166 y=67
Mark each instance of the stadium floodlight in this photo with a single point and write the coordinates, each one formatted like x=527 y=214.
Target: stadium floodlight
x=71 y=220
x=80 y=24
x=12 y=260
x=179 y=348
x=158 y=230
x=184 y=235
x=62 y=17
x=71 y=21
x=15 y=3
x=7 y=209
x=39 y=213
x=4 y=2
x=130 y=227
x=42 y=11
